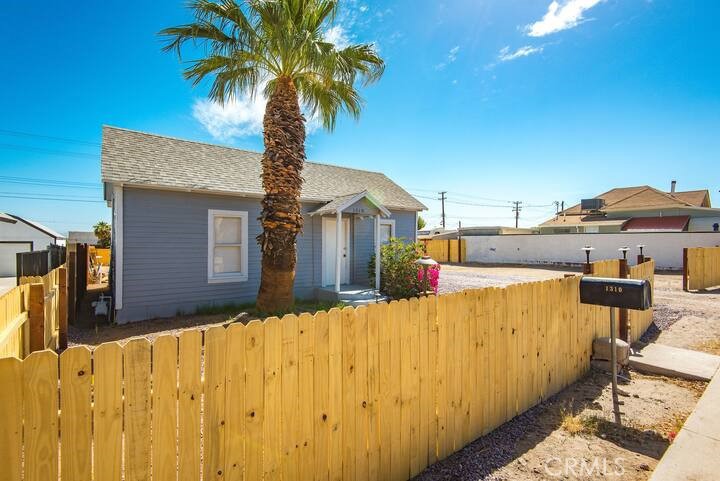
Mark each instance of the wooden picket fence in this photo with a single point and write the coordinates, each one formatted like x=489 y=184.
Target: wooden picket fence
x=701 y=268
x=369 y=393
x=32 y=315
x=640 y=320
x=446 y=250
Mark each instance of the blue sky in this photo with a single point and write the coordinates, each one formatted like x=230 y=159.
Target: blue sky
x=492 y=101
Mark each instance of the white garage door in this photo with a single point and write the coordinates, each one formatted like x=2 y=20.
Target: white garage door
x=7 y=256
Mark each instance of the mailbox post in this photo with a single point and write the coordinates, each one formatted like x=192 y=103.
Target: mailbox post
x=623 y=293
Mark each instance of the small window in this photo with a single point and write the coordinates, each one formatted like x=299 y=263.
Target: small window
x=387 y=230
x=227 y=246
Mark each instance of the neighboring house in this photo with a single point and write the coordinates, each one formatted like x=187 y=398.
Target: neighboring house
x=82 y=237
x=482 y=231
x=21 y=235
x=185 y=220
x=638 y=209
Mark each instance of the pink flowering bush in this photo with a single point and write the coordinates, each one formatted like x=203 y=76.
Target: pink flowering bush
x=433 y=278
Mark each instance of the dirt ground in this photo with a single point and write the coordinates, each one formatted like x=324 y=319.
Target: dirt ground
x=537 y=446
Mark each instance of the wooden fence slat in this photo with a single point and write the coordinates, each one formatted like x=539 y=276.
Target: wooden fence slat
x=373 y=382
x=164 y=408
x=432 y=380
x=441 y=378
x=306 y=355
x=76 y=413
x=235 y=402
x=273 y=402
x=136 y=362
x=40 y=399
x=11 y=407
x=406 y=389
x=290 y=398
x=214 y=403
x=348 y=393
x=361 y=394
x=385 y=386
x=396 y=461
x=108 y=411
x=254 y=399
x=189 y=399
x=335 y=387
x=424 y=387
x=321 y=396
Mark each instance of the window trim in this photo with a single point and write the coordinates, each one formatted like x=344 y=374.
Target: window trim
x=242 y=276
x=391 y=223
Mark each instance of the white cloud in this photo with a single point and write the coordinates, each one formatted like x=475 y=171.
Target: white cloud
x=338 y=36
x=239 y=117
x=451 y=57
x=560 y=17
x=506 y=55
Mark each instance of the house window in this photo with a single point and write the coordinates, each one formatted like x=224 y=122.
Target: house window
x=387 y=230
x=227 y=246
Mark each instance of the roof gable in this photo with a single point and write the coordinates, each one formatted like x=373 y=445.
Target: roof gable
x=137 y=158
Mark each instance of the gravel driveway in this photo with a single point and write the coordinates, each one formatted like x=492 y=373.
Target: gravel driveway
x=455 y=277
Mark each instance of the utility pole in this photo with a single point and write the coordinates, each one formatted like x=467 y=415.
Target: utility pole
x=442 y=199
x=516 y=208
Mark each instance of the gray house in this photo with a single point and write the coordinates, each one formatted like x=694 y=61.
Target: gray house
x=185 y=219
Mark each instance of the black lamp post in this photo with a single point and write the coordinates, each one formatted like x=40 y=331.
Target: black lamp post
x=624 y=251
x=587 y=250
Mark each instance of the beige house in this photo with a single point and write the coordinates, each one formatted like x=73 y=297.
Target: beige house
x=638 y=209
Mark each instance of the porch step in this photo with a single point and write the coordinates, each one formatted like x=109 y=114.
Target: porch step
x=351 y=295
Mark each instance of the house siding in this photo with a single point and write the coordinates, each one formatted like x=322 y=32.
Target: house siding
x=165 y=235
x=364 y=240
x=165 y=254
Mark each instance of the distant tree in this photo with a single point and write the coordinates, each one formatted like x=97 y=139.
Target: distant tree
x=421 y=223
x=102 y=232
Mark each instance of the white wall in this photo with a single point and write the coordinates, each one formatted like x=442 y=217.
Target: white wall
x=665 y=248
x=14 y=238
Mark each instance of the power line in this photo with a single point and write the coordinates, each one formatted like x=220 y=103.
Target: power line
x=49 y=198
x=42 y=194
x=40 y=150
x=49 y=182
x=15 y=133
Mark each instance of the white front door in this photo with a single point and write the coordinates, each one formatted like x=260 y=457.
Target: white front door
x=329 y=248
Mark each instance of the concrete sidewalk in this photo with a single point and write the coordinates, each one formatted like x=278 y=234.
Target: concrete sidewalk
x=695 y=454
x=675 y=362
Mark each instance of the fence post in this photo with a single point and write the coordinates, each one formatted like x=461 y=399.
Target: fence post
x=71 y=286
x=685 y=269
x=36 y=317
x=62 y=307
x=623 y=313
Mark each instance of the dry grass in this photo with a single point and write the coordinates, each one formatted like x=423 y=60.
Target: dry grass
x=712 y=346
x=575 y=424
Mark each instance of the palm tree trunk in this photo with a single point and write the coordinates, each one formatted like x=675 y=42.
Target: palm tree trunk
x=282 y=163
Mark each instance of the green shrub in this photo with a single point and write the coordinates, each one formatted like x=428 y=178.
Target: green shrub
x=399 y=274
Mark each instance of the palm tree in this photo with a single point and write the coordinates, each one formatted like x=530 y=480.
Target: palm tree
x=279 y=44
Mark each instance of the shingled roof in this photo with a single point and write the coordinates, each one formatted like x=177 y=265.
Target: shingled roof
x=137 y=158
x=645 y=197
